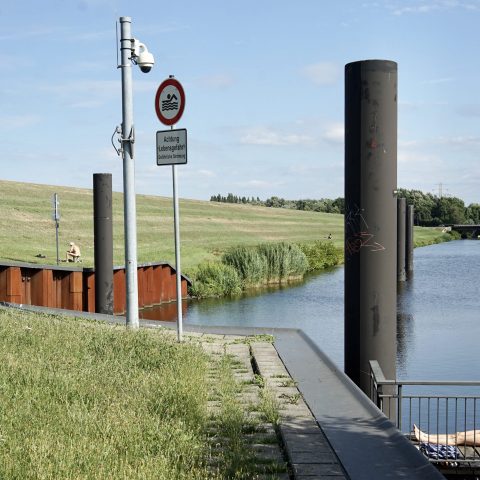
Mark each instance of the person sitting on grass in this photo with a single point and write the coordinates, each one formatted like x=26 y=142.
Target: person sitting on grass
x=73 y=255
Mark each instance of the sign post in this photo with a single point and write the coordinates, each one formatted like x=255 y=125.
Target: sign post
x=172 y=150
x=56 y=219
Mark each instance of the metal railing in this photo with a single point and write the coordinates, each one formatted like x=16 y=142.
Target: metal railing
x=445 y=412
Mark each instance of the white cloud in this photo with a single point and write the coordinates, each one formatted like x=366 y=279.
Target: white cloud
x=267 y=136
x=217 y=81
x=412 y=106
x=436 y=81
x=429 y=6
x=86 y=104
x=460 y=140
x=206 y=173
x=83 y=67
x=93 y=93
x=145 y=86
x=22 y=34
x=19 y=121
x=89 y=86
x=335 y=133
x=408 y=143
x=93 y=36
x=416 y=158
x=431 y=143
x=262 y=184
x=323 y=73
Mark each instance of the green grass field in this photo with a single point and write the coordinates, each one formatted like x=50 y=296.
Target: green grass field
x=207 y=229
x=86 y=400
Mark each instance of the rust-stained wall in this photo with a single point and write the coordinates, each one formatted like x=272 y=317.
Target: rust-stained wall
x=74 y=288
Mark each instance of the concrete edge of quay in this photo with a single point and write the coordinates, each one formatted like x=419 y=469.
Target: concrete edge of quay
x=355 y=439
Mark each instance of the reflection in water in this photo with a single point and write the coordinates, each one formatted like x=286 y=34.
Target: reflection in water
x=440 y=339
x=315 y=305
x=405 y=323
x=438 y=312
x=405 y=326
x=167 y=312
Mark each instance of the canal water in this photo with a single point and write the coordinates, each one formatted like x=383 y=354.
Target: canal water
x=438 y=319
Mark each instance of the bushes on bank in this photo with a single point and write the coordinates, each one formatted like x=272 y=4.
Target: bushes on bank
x=321 y=255
x=215 y=280
x=250 y=265
x=284 y=261
x=245 y=267
x=266 y=263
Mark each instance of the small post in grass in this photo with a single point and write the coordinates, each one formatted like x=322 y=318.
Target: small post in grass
x=56 y=219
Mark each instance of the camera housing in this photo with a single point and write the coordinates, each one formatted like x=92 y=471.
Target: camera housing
x=142 y=57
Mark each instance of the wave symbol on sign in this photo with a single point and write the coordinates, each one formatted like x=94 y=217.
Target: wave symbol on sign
x=171 y=103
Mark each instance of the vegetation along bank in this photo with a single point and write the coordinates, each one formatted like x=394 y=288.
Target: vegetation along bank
x=216 y=238
x=245 y=267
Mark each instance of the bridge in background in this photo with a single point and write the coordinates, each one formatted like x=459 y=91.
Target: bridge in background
x=465 y=230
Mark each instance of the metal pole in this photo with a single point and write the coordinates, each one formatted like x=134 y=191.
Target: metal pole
x=409 y=241
x=129 y=175
x=399 y=407
x=56 y=239
x=176 y=216
x=370 y=219
x=103 y=242
x=56 y=217
x=401 y=240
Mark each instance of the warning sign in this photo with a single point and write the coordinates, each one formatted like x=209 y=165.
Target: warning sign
x=172 y=147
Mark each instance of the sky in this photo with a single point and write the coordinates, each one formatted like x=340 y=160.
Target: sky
x=264 y=86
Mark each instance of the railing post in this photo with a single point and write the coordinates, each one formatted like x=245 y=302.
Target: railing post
x=399 y=407
x=379 y=399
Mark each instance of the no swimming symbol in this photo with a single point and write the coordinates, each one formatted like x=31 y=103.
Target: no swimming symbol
x=171 y=103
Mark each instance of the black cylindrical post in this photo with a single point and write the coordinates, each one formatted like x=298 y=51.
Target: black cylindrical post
x=370 y=218
x=401 y=238
x=409 y=241
x=103 y=240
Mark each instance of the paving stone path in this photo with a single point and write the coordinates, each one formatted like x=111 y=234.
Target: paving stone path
x=294 y=448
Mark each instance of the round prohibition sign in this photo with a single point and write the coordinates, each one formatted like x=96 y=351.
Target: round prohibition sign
x=170 y=101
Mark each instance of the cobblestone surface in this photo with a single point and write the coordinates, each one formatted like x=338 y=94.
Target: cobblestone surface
x=297 y=439
x=308 y=452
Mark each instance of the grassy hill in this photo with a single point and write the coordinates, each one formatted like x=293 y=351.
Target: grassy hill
x=206 y=228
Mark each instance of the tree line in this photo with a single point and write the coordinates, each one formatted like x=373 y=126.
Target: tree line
x=231 y=198
x=323 y=205
x=429 y=209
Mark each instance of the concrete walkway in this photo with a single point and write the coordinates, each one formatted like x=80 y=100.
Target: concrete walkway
x=329 y=428
x=308 y=452
x=298 y=440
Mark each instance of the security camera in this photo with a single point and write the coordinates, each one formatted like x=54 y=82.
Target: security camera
x=142 y=57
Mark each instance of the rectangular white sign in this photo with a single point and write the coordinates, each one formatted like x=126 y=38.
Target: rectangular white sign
x=172 y=147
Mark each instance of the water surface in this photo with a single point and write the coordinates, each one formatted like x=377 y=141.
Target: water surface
x=438 y=312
